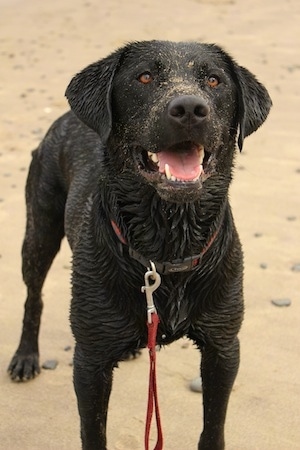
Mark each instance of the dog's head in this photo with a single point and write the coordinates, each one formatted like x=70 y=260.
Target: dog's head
x=170 y=113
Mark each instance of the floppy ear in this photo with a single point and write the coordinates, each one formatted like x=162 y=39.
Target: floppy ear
x=254 y=103
x=89 y=94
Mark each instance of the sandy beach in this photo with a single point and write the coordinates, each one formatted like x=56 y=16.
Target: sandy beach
x=42 y=45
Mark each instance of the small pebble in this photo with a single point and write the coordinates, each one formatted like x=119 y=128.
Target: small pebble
x=263 y=266
x=50 y=364
x=257 y=234
x=281 y=302
x=296 y=267
x=291 y=218
x=67 y=348
x=37 y=131
x=196 y=384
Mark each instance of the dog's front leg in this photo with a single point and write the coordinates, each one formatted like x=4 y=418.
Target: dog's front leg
x=218 y=370
x=92 y=382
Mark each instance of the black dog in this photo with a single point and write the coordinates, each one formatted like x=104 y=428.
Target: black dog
x=140 y=171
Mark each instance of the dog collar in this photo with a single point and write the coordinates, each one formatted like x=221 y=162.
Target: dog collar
x=166 y=267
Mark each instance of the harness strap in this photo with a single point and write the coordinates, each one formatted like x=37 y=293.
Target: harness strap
x=167 y=267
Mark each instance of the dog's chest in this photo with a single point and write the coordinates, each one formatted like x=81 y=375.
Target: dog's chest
x=173 y=308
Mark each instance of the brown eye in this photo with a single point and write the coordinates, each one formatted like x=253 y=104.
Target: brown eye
x=213 y=81
x=145 y=78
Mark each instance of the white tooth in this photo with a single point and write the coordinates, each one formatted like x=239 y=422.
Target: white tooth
x=201 y=154
x=173 y=178
x=153 y=157
x=168 y=172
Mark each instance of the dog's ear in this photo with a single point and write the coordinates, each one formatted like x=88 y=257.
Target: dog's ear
x=254 y=103
x=89 y=94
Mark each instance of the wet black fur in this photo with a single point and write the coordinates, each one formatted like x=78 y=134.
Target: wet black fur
x=79 y=182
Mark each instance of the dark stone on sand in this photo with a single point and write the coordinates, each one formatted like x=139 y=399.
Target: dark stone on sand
x=196 y=384
x=67 y=348
x=296 y=267
x=50 y=364
x=281 y=302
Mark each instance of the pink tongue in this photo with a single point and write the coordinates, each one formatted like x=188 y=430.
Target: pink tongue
x=184 y=166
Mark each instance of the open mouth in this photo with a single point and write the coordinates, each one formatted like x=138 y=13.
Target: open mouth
x=183 y=163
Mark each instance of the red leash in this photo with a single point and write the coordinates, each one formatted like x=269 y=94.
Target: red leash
x=152 y=394
x=152 y=323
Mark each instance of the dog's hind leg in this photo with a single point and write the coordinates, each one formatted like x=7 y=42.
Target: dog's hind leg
x=45 y=201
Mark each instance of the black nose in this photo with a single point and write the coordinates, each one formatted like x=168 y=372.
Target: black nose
x=187 y=110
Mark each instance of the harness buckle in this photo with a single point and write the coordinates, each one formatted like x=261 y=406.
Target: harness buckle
x=183 y=265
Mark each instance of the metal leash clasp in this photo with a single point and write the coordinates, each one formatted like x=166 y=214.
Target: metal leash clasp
x=149 y=288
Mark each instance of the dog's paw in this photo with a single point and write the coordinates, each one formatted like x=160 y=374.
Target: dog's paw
x=24 y=367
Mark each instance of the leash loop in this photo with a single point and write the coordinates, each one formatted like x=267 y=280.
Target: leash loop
x=152 y=323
